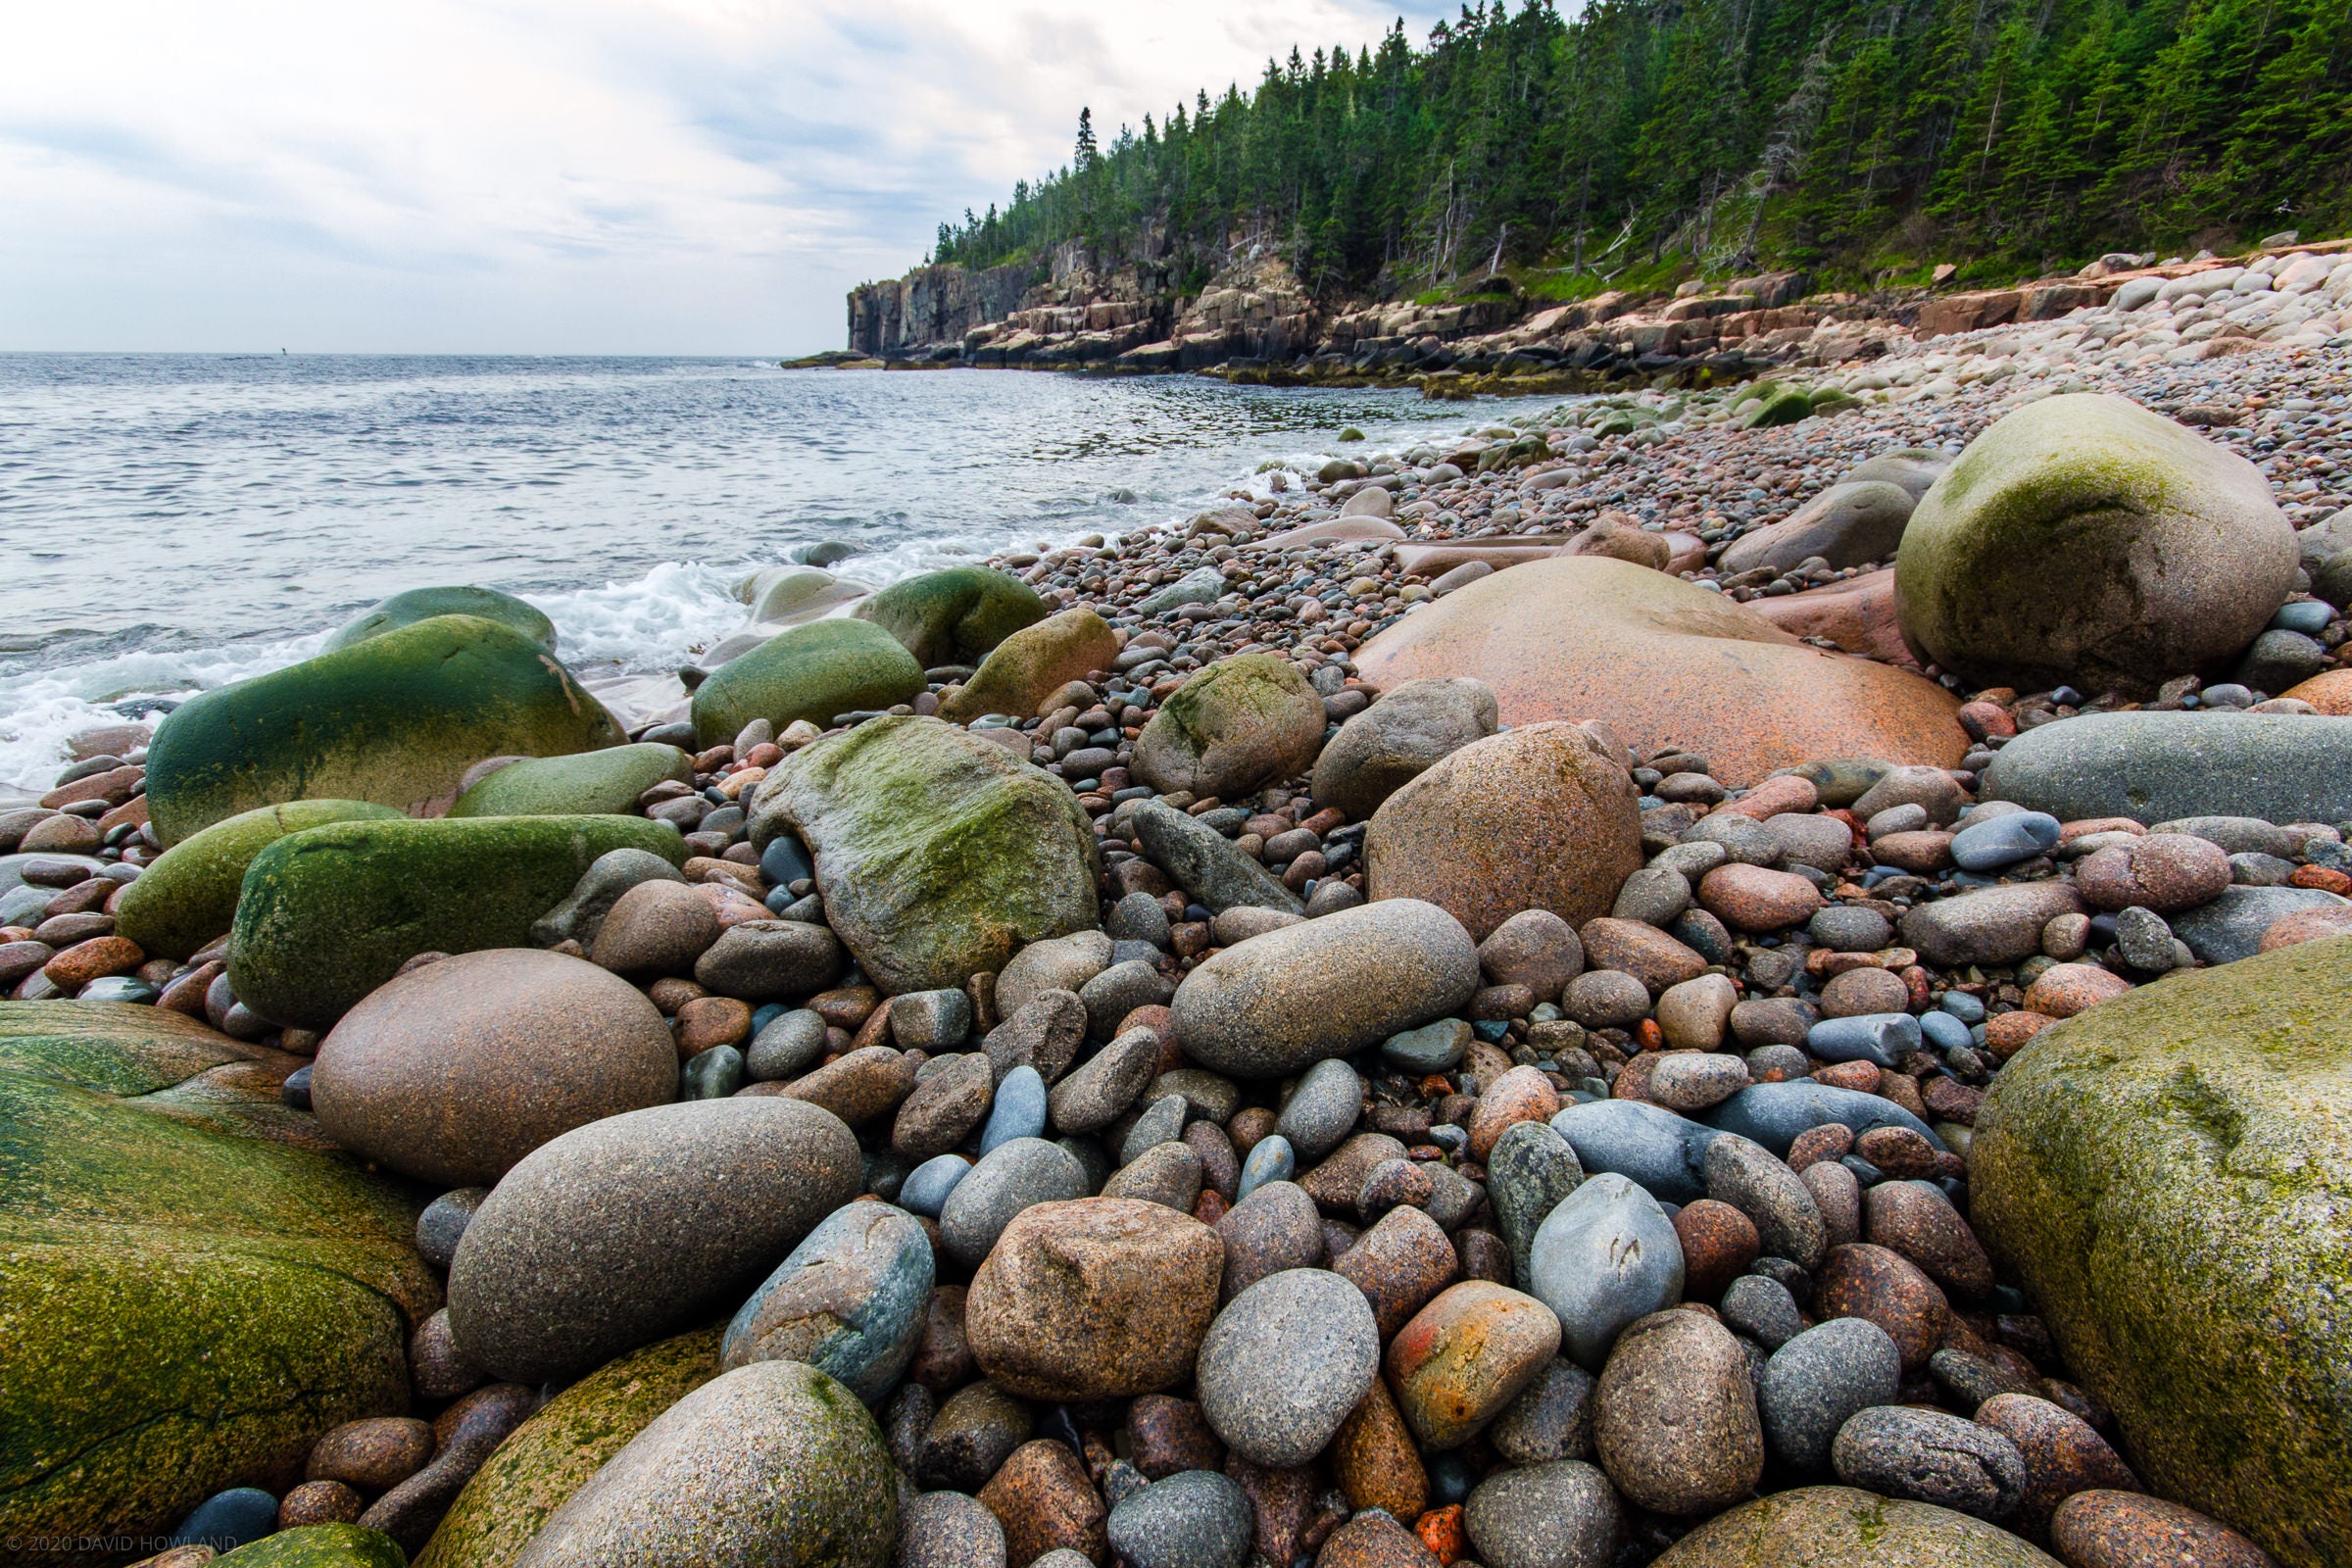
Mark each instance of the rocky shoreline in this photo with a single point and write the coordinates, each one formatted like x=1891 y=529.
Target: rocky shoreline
x=1716 y=977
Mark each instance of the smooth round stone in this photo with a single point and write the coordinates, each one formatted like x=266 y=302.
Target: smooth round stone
x=2004 y=841
x=1963 y=1006
x=1432 y=1048
x=1606 y=1256
x=1817 y=1381
x=1943 y=1030
x=848 y=1300
x=1718 y=1242
x=1931 y=1457
x=1323 y=1110
x=1867 y=1281
x=1561 y=1514
x=1884 y=1037
x=1530 y=1169
x=1760 y=1185
x=1674 y=1418
x=1285 y=1363
x=2116 y=1529
x=1551 y=1419
x=713 y=1074
x=2063 y=1454
x=1696 y=1080
x=453 y=1072
x=773 y=1462
x=1007 y=1180
x=1465 y=1356
x=1519 y=1095
x=1606 y=998
x=1859 y=993
x=949 y=1530
x=118 y=988
x=970 y=1436
x=1762 y=1308
x=1270 y=1159
x=442 y=1224
x=1274 y=1228
x=576 y=1256
x=1193 y=1519
x=1650 y=1145
x=785 y=1047
x=228 y=1520
x=926 y=1188
x=1693 y=1015
x=1838 y=1527
x=1845 y=928
x=1774 y=1115
x=1019 y=1110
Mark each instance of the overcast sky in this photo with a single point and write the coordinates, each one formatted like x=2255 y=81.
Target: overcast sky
x=641 y=177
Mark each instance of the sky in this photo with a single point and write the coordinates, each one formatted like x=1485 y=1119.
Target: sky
x=551 y=176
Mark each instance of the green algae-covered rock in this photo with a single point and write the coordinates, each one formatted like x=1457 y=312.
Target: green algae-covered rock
x=320 y=1546
x=772 y=1465
x=938 y=855
x=954 y=616
x=1032 y=664
x=187 y=898
x=1238 y=724
x=1840 y=1526
x=396 y=719
x=329 y=913
x=550 y=1456
x=602 y=783
x=1783 y=405
x=424 y=603
x=2170 y=1174
x=812 y=672
x=2082 y=539
x=187 y=1298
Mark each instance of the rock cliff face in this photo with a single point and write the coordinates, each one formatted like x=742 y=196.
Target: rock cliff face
x=931 y=305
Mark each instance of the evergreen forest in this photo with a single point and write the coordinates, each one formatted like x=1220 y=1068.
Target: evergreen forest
x=1861 y=140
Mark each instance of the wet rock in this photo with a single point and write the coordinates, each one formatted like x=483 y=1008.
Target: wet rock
x=2063 y=1454
x=848 y=1300
x=1465 y=1356
x=1195 y=1519
x=1274 y=1227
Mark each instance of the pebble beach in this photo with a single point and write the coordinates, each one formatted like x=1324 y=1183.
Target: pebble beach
x=1714 y=976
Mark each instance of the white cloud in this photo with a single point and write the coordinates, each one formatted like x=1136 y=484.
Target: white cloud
x=548 y=175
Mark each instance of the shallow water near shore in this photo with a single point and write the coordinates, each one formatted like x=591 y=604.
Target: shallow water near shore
x=175 y=521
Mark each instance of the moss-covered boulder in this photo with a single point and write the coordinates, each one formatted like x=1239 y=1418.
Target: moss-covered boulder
x=1840 y=1526
x=812 y=672
x=2170 y=1176
x=954 y=616
x=1783 y=405
x=320 y=1546
x=329 y=913
x=602 y=783
x=187 y=1298
x=396 y=719
x=424 y=603
x=938 y=855
x=2084 y=540
x=1238 y=724
x=550 y=1456
x=187 y=899
x=1032 y=664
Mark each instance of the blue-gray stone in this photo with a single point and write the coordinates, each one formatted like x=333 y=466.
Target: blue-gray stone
x=711 y=1074
x=786 y=1045
x=2004 y=840
x=1943 y=1030
x=1648 y=1144
x=118 y=988
x=1885 y=1037
x=1761 y=1308
x=1432 y=1048
x=1019 y=1110
x=849 y=1301
x=1606 y=1255
x=1192 y=1519
x=1022 y=1173
x=2156 y=767
x=228 y=1520
x=1162 y=1122
x=2230 y=927
x=1322 y=1110
x=785 y=861
x=2310 y=616
x=1815 y=1383
x=926 y=1188
x=1270 y=1161
x=1963 y=1006
x=765 y=1014
x=1774 y=1115
x=1529 y=1171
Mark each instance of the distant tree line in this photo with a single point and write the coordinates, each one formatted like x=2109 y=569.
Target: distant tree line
x=1861 y=138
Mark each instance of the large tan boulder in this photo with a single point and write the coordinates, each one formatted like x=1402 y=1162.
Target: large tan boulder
x=2084 y=539
x=1663 y=663
x=1032 y=664
x=1538 y=817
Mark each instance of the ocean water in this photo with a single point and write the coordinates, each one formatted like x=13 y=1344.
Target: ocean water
x=171 y=522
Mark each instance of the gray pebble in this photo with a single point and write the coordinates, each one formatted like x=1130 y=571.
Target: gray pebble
x=1931 y=1457
x=1323 y=1110
x=1193 y=1519
x=1817 y=1381
x=1285 y=1363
